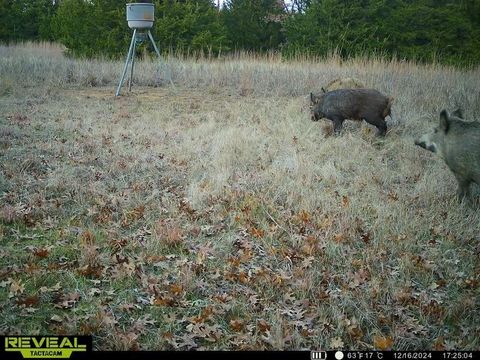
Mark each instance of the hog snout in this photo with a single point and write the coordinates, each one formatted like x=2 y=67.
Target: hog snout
x=420 y=143
x=423 y=144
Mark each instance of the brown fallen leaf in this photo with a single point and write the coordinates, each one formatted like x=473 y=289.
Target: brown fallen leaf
x=204 y=315
x=87 y=238
x=16 y=288
x=175 y=289
x=304 y=217
x=127 y=341
x=354 y=329
x=339 y=238
x=133 y=215
x=128 y=307
x=169 y=233
x=392 y=196
x=29 y=301
x=382 y=342
x=42 y=252
x=439 y=344
x=67 y=301
x=186 y=207
x=263 y=326
x=237 y=325
x=91 y=271
x=258 y=233
x=163 y=301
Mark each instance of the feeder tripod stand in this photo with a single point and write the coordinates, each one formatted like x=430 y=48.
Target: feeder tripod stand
x=136 y=38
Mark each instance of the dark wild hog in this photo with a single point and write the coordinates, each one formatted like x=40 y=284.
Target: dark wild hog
x=458 y=143
x=354 y=104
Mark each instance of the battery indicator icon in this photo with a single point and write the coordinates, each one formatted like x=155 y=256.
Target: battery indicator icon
x=318 y=355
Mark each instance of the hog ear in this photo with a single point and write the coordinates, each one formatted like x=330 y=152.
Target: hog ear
x=312 y=98
x=458 y=113
x=444 y=121
x=323 y=90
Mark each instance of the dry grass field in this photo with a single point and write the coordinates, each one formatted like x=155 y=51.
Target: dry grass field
x=204 y=210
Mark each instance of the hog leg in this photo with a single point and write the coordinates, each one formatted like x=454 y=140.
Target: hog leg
x=337 y=125
x=463 y=187
x=380 y=124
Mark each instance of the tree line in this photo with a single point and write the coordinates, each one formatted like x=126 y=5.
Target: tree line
x=446 y=31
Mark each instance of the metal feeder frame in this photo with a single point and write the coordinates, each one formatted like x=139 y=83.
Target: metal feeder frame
x=140 y=34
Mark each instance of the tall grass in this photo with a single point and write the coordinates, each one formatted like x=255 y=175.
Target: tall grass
x=33 y=64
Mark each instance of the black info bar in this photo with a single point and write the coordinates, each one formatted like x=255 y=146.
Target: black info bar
x=300 y=355
x=394 y=355
x=80 y=347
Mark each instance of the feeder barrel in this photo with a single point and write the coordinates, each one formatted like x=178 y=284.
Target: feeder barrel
x=140 y=15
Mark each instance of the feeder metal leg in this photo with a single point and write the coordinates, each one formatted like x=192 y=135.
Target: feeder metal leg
x=132 y=44
x=131 y=69
x=153 y=42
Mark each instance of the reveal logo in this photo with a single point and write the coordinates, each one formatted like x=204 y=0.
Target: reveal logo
x=51 y=347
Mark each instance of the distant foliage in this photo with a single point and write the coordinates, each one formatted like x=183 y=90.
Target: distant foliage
x=254 y=24
x=425 y=30
x=189 y=25
x=96 y=27
x=99 y=27
x=445 y=31
x=26 y=20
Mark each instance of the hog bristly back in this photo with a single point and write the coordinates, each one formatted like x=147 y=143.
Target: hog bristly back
x=354 y=104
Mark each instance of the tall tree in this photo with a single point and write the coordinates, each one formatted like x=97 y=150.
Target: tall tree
x=26 y=20
x=189 y=24
x=89 y=28
x=414 y=29
x=99 y=27
x=254 y=24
